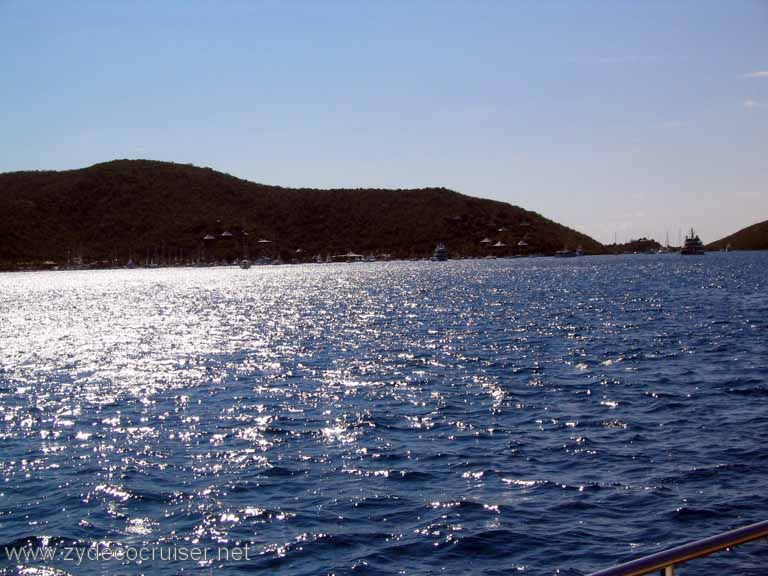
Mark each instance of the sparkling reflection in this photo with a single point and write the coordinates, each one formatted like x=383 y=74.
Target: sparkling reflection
x=360 y=417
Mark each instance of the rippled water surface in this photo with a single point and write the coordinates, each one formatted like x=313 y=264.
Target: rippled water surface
x=483 y=417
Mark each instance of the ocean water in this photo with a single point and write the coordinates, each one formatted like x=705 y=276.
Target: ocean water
x=534 y=416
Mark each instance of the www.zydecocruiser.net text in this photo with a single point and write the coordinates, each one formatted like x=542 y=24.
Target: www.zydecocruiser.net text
x=77 y=555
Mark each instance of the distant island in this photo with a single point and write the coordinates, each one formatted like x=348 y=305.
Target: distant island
x=635 y=246
x=164 y=213
x=149 y=213
x=753 y=237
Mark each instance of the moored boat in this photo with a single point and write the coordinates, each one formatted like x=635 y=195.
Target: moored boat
x=440 y=254
x=693 y=245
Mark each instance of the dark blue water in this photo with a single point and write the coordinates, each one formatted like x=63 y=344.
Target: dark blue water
x=533 y=416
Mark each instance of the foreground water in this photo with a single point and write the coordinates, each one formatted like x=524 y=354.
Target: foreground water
x=484 y=417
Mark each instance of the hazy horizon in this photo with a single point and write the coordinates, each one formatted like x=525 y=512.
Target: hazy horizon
x=618 y=119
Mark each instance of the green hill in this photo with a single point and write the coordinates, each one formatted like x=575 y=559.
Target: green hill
x=753 y=237
x=161 y=210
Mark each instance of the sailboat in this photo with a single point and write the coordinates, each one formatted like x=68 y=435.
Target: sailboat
x=245 y=263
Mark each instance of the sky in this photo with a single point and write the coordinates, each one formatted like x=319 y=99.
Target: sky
x=619 y=119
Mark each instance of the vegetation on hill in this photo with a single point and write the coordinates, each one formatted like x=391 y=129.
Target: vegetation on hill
x=147 y=210
x=638 y=246
x=753 y=237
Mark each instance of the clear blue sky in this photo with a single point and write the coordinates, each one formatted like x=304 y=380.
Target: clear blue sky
x=635 y=118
